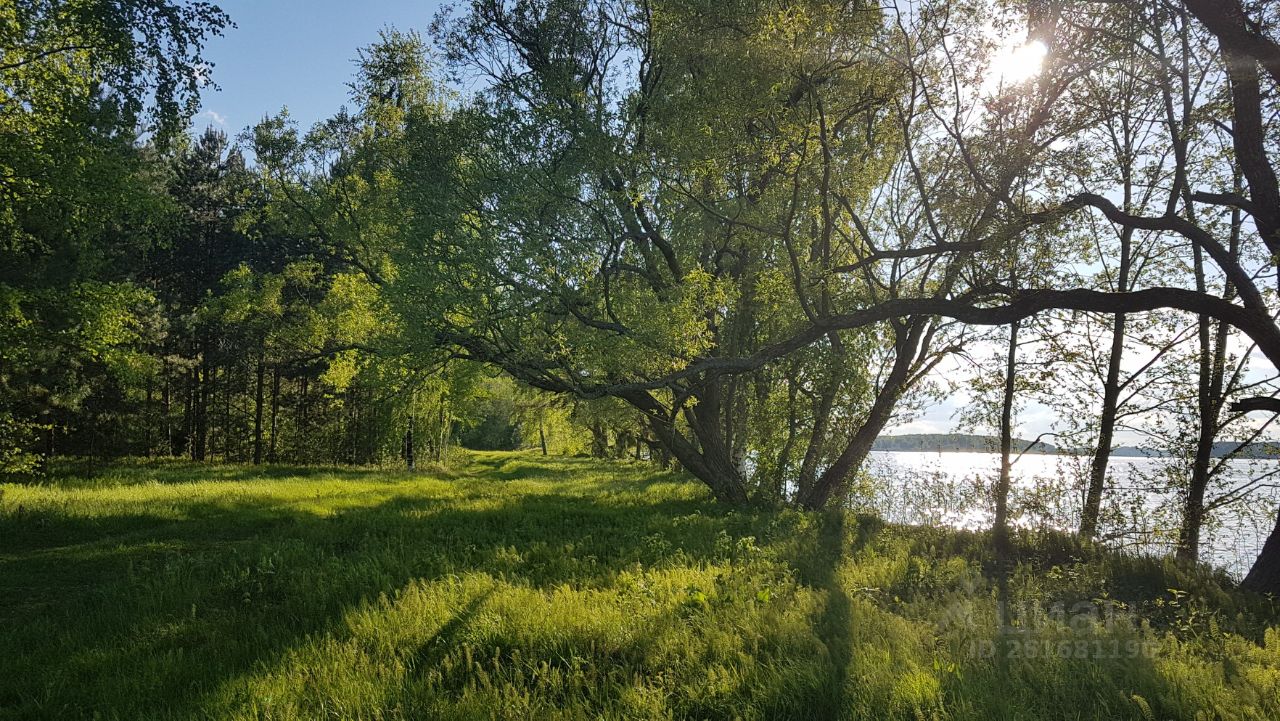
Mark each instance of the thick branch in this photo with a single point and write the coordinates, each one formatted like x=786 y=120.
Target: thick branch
x=1254 y=323
x=1221 y=255
x=1249 y=405
x=1227 y=20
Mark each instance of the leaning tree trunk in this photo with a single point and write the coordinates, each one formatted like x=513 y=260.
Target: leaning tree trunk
x=709 y=460
x=835 y=479
x=1000 y=527
x=1264 y=577
x=1110 y=396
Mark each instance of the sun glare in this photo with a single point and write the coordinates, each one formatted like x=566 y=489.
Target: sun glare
x=1016 y=64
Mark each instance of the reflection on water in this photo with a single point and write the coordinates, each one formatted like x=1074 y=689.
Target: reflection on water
x=1141 y=504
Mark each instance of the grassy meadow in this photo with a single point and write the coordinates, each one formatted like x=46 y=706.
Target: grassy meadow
x=519 y=587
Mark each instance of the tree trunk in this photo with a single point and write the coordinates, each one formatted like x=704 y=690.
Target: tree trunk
x=166 y=403
x=259 y=402
x=1110 y=394
x=148 y=415
x=272 y=456
x=835 y=478
x=709 y=461
x=409 y=460
x=807 y=479
x=201 y=441
x=1264 y=577
x=1000 y=528
x=1188 y=549
x=542 y=438
x=1209 y=396
x=182 y=446
x=226 y=413
x=303 y=421
x=1106 y=433
x=599 y=441
x=717 y=471
x=1193 y=503
x=442 y=426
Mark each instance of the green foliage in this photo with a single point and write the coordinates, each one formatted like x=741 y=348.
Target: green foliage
x=264 y=330
x=521 y=587
x=81 y=198
x=646 y=187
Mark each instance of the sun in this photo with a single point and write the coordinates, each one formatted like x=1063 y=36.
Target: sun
x=1016 y=64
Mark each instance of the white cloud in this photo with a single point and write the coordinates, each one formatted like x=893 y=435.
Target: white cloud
x=215 y=116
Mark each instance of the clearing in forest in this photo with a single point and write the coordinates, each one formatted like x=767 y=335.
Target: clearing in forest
x=522 y=587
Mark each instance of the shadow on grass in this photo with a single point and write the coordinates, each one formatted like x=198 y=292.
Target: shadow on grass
x=121 y=612
x=158 y=613
x=78 y=473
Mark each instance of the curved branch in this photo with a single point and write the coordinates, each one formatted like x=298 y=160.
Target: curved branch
x=1263 y=403
x=1026 y=303
x=1248 y=290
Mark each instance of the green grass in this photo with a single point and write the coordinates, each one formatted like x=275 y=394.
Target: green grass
x=519 y=587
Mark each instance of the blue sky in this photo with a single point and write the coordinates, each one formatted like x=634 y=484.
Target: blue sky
x=295 y=53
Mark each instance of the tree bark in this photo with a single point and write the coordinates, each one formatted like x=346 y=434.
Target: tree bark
x=1210 y=397
x=709 y=461
x=409 y=460
x=226 y=412
x=599 y=441
x=1188 y=550
x=148 y=415
x=1110 y=391
x=272 y=455
x=835 y=478
x=259 y=402
x=167 y=409
x=1106 y=433
x=1264 y=576
x=1000 y=527
x=201 y=441
x=807 y=479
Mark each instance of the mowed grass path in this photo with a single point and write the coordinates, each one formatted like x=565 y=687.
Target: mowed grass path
x=519 y=587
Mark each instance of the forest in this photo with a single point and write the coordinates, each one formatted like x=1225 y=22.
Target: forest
x=610 y=260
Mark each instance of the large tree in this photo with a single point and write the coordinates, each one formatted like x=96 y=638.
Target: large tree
x=624 y=173
x=648 y=193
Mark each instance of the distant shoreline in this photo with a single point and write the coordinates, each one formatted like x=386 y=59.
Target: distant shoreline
x=970 y=443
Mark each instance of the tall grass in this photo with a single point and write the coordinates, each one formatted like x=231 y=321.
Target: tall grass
x=526 y=588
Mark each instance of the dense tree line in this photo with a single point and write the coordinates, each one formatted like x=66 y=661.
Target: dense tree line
x=164 y=296
x=740 y=238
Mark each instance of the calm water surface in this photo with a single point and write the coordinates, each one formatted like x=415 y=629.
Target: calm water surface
x=953 y=488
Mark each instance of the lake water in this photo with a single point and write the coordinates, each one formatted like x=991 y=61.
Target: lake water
x=1141 y=504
